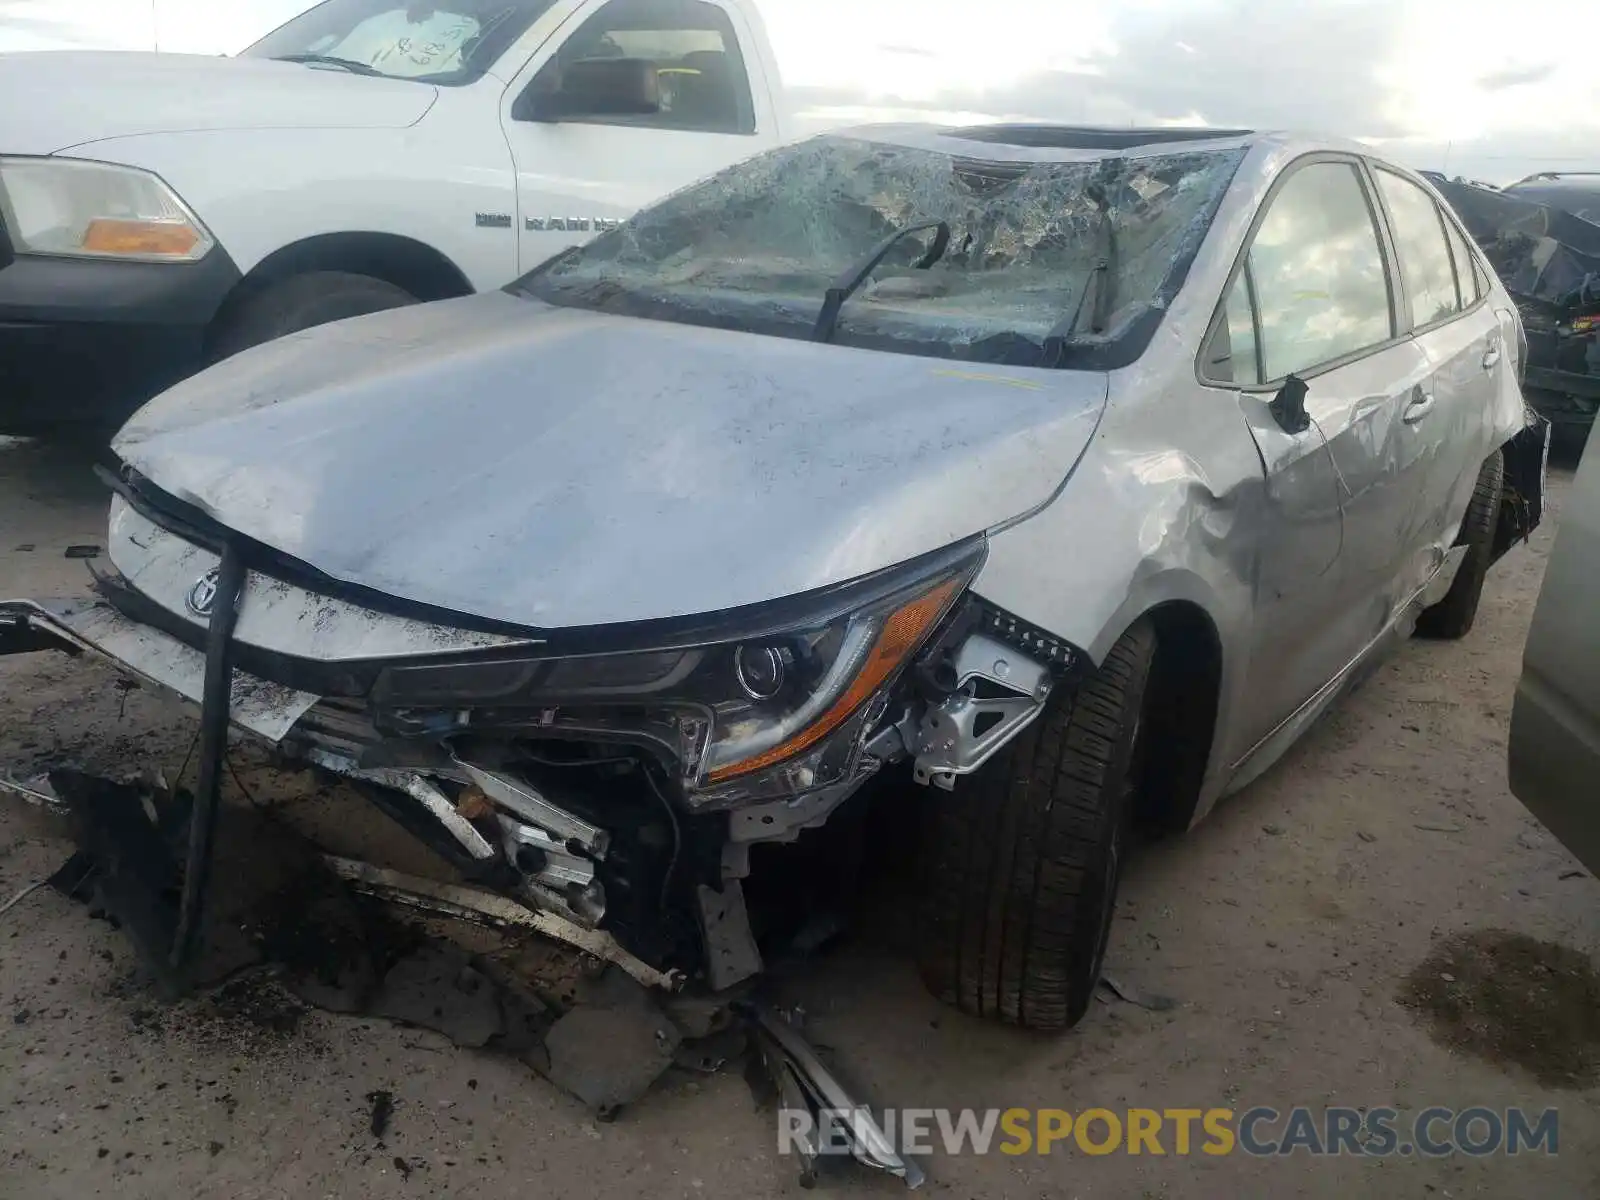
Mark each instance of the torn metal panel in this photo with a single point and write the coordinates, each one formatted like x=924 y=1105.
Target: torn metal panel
x=799 y=1070
x=267 y=709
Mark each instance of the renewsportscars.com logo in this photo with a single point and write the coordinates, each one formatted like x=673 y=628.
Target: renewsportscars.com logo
x=1261 y=1132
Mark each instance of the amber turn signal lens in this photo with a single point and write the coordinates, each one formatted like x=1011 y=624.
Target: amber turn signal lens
x=165 y=239
x=901 y=634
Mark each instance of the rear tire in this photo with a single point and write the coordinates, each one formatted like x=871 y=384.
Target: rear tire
x=1454 y=616
x=1022 y=860
x=304 y=302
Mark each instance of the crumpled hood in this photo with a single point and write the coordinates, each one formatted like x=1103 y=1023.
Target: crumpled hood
x=554 y=467
x=53 y=101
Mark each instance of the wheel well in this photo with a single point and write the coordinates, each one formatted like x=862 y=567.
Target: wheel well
x=402 y=261
x=1180 y=715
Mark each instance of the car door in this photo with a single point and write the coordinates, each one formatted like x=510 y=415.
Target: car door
x=1448 y=421
x=579 y=173
x=1313 y=298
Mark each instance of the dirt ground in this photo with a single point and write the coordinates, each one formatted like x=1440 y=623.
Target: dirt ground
x=1376 y=923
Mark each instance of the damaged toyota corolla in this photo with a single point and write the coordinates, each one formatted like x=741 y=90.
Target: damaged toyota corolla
x=1071 y=472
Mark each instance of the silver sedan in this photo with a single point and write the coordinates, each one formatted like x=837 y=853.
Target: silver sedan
x=1068 y=473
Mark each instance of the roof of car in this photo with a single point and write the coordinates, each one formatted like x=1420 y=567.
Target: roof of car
x=1044 y=141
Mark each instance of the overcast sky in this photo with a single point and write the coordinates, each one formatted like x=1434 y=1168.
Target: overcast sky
x=1489 y=90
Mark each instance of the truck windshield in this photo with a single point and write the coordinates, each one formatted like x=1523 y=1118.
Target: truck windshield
x=758 y=246
x=452 y=42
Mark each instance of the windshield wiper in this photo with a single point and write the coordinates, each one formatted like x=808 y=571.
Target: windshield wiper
x=850 y=282
x=1102 y=283
x=349 y=64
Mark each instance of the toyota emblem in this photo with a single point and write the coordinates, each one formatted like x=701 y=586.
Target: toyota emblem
x=203 y=594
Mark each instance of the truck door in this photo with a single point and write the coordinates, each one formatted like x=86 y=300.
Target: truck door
x=633 y=99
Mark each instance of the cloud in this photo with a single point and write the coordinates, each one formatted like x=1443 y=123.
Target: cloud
x=15 y=18
x=1510 y=77
x=1238 y=63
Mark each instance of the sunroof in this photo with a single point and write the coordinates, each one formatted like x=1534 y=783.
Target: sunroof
x=1086 y=137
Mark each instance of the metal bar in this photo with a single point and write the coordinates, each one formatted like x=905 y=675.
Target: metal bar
x=420 y=790
x=528 y=804
x=472 y=904
x=215 y=705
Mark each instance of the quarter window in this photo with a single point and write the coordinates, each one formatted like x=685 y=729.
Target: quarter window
x=1231 y=354
x=1321 y=290
x=689 y=44
x=1424 y=250
x=1468 y=278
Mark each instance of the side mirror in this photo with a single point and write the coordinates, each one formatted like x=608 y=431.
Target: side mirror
x=1288 y=407
x=597 y=87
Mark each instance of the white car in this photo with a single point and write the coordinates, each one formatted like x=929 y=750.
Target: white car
x=159 y=212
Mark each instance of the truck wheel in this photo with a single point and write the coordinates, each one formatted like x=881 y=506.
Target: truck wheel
x=1022 y=860
x=302 y=302
x=1453 y=616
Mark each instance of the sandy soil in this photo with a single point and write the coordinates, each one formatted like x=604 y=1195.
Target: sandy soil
x=1294 y=929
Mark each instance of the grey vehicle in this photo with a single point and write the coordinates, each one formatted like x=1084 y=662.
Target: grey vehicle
x=1555 y=723
x=1072 y=472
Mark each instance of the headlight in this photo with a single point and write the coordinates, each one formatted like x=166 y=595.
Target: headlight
x=773 y=713
x=96 y=210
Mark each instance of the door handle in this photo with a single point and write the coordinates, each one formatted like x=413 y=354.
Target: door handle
x=1421 y=405
x=1491 y=358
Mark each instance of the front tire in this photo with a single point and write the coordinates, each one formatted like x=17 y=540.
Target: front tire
x=304 y=302
x=1023 y=859
x=1454 y=616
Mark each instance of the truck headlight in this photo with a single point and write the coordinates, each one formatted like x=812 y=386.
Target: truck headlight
x=83 y=209
x=779 y=710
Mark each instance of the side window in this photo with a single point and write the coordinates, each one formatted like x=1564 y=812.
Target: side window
x=1424 y=250
x=1468 y=278
x=1321 y=289
x=688 y=46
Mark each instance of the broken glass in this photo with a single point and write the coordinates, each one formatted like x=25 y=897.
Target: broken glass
x=759 y=245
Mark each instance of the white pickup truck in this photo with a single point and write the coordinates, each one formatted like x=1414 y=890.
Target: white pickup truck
x=158 y=212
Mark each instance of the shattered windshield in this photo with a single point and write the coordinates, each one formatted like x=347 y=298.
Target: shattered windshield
x=758 y=246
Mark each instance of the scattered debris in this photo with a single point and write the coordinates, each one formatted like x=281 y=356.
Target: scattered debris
x=82 y=552
x=1365 y=836
x=1441 y=828
x=608 y=1056
x=1573 y=874
x=292 y=928
x=437 y=988
x=25 y=548
x=1273 y=830
x=381 y=1114
x=1140 y=999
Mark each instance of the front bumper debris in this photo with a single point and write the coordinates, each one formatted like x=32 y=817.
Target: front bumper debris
x=268 y=710
x=604 y=1034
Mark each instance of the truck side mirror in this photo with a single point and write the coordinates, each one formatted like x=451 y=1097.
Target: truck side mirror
x=596 y=87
